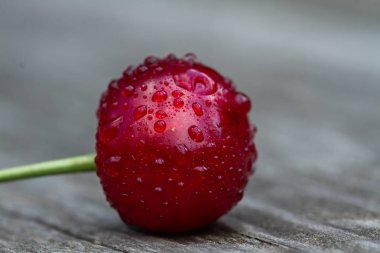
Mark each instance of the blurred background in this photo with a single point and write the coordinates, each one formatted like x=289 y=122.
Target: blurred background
x=311 y=68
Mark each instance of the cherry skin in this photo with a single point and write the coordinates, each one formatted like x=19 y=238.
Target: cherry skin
x=174 y=144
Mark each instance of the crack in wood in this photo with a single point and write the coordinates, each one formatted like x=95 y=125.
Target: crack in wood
x=269 y=242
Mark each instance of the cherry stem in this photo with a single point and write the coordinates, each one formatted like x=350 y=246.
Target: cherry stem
x=67 y=165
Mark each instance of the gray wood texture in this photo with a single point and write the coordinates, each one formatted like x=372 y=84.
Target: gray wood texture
x=312 y=69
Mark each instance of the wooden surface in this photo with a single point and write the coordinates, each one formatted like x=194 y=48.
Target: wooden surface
x=312 y=69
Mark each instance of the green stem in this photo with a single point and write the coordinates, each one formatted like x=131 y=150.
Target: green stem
x=67 y=165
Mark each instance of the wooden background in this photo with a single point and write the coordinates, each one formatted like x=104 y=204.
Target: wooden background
x=312 y=69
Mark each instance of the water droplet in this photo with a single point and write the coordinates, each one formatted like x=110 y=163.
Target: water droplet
x=211 y=145
x=159 y=126
x=178 y=102
x=111 y=168
x=114 y=84
x=129 y=71
x=159 y=96
x=182 y=149
x=170 y=179
x=159 y=161
x=114 y=159
x=158 y=69
x=117 y=121
x=161 y=114
x=181 y=184
x=109 y=131
x=228 y=80
x=140 y=112
x=150 y=60
x=142 y=69
x=144 y=87
x=197 y=108
x=165 y=203
x=200 y=168
x=128 y=90
x=139 y=179
x=243 y=102
x=219 y=177
x=158 y=189
x=195 y=133
x=125 y=105
x=171 y=56
x=190 y=57
x=177 y=94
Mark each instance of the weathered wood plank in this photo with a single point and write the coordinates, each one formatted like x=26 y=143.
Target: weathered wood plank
x=84 y=214
x=285 y=223
x=24 y=234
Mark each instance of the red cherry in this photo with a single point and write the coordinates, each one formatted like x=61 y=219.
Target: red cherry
x=174 y=144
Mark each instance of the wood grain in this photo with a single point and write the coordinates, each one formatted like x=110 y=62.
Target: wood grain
x=311 y=68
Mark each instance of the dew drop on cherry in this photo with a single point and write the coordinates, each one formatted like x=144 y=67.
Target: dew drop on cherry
x=200 y=168
x=190 y=57
x=197 y=108
x=177 y=94
x=150 y=60
x=159 y=161
x=178 y=102
x=182 y=149
x=158 y=189
x=140 y=112
x=160 y=114
x=159 y=96
x=242 y=102
x=127 y=90
x=144 y=87
x=159 y=126
x=195 y=134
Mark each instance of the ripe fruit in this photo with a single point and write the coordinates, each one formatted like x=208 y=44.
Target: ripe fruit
x=174 y=144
